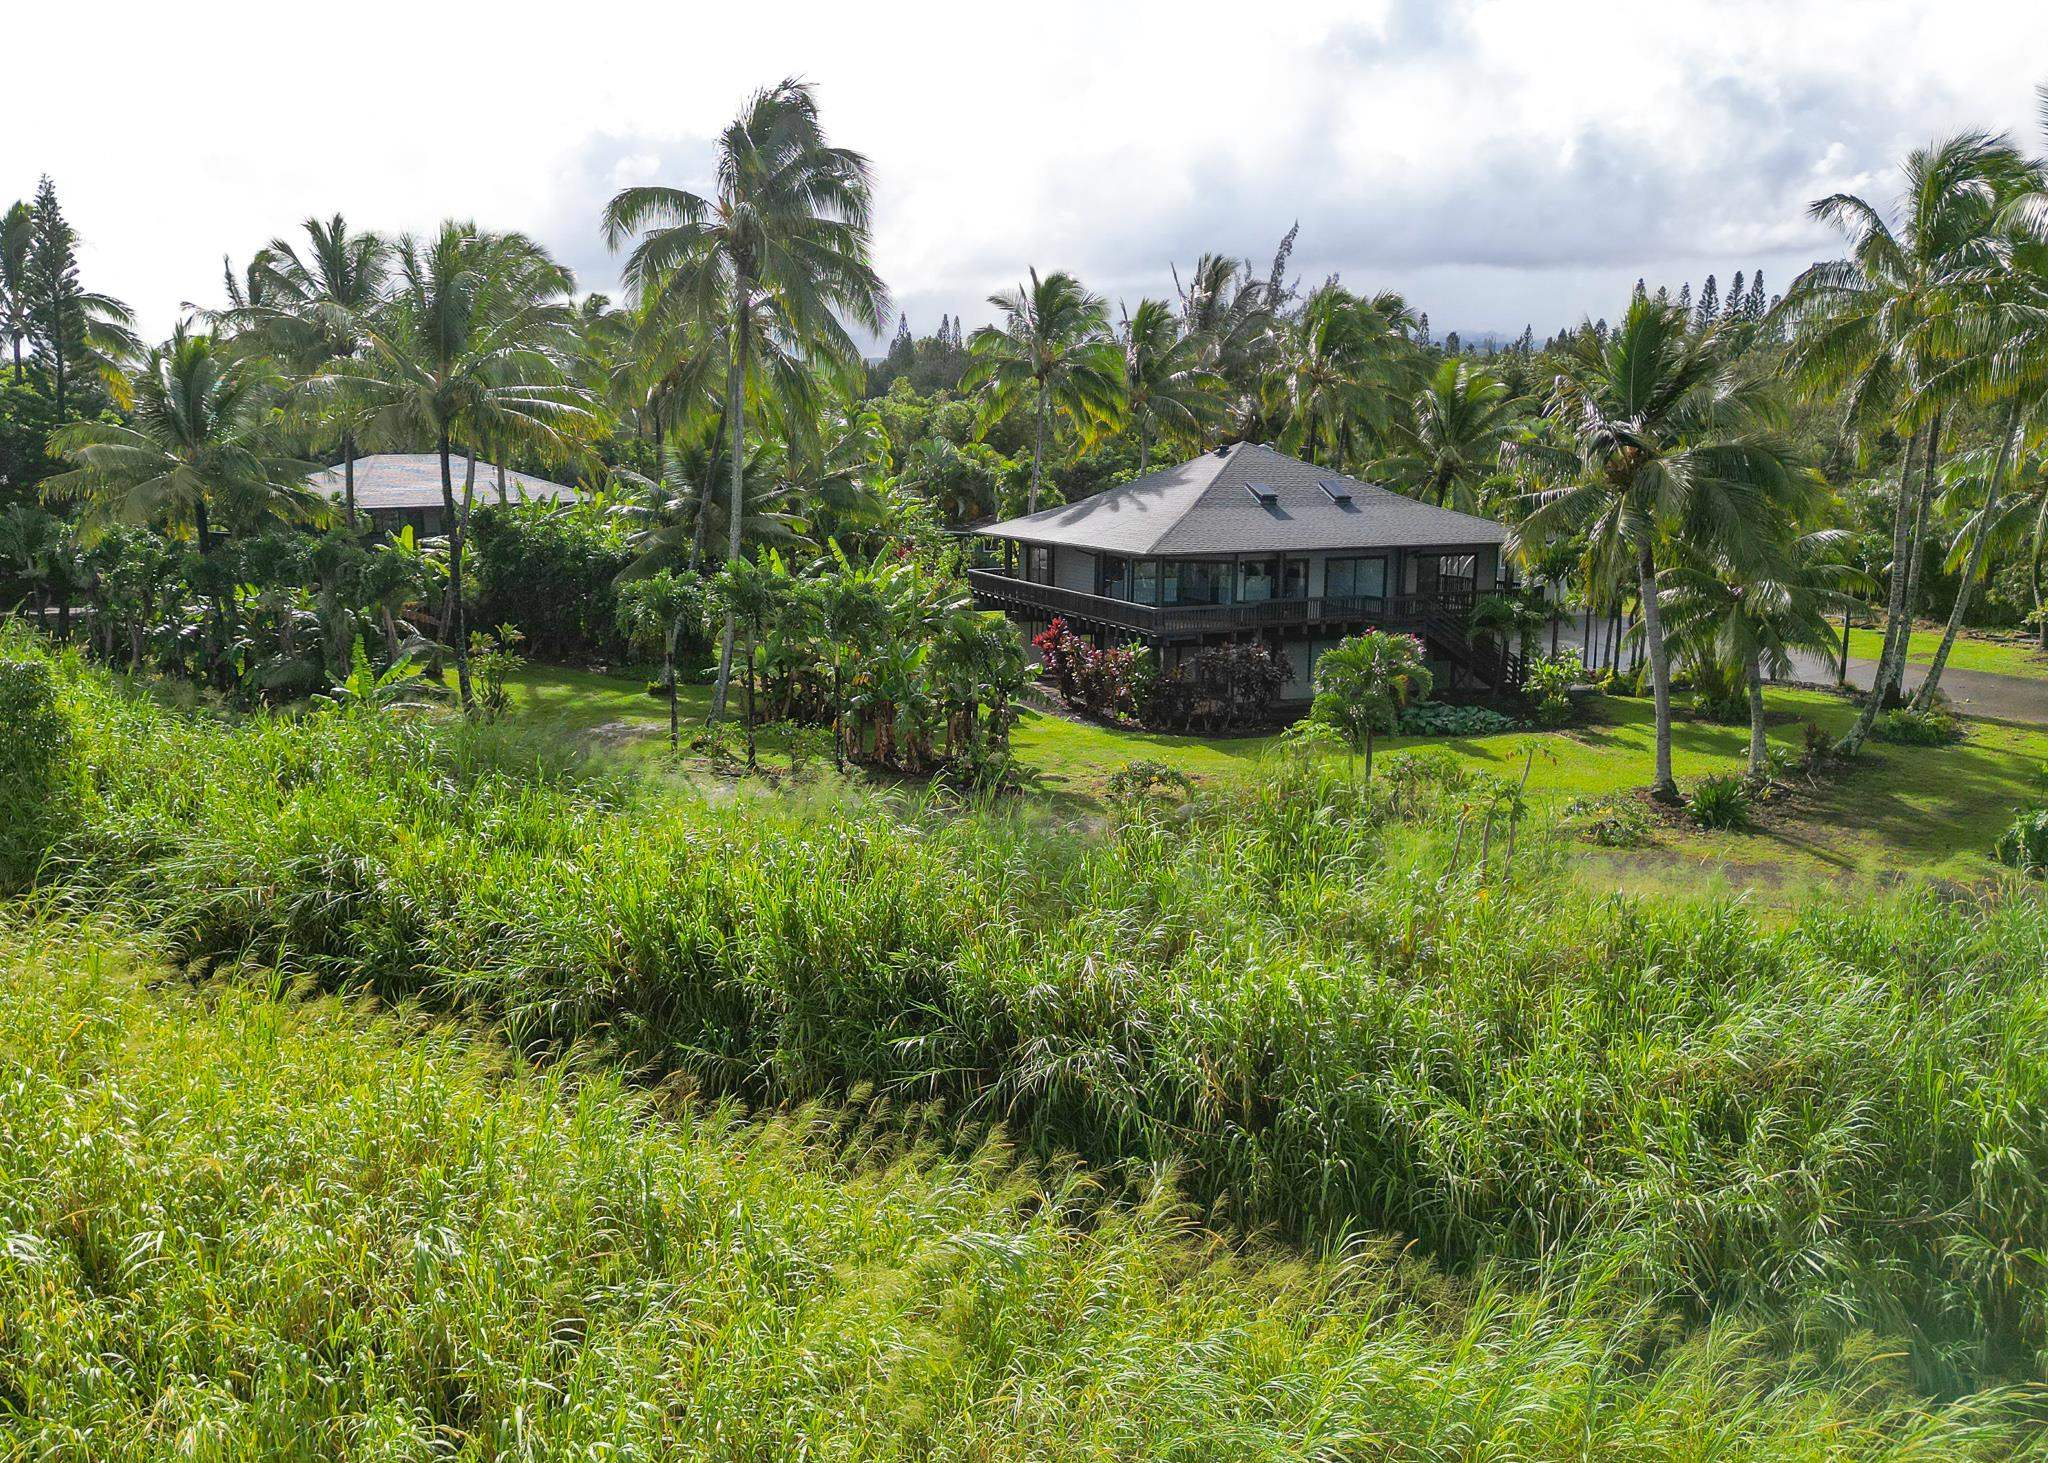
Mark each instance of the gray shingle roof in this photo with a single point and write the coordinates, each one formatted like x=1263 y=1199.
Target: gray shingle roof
x=1209 y=506
x=413 y=480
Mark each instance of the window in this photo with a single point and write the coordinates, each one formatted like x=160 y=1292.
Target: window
x=1355 y=579
x=1254 y=581
x=1116 y=576
x=1145 y=581
x=1446 y=574
x=1038 y=564
x=1195 y=582
x=1294 y=579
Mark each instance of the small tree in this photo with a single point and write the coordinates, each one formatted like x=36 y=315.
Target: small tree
x=656 y=609
x=1363 y=683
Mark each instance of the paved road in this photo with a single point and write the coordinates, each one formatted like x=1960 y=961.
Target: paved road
x=1975 y=693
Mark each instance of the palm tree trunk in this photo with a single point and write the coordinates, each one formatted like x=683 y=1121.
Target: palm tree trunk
x=751 y=636
x=1753 y=673
x=348 y=476
x=1664 y=787
x=735 y=377
x=1973 y=567
x=1842 y=666
x=1917 y=557
x=668 y=677
x=1037 y=452
x=1144 y=447
x=454 y=631
x=2034 y=570
x=1895 y=603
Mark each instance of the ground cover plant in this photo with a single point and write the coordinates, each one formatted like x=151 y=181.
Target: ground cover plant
x=238 y=1223
x=1326 y=1004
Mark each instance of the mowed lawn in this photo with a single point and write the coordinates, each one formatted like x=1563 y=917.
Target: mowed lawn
x=1901 y=811
x=1971 y=653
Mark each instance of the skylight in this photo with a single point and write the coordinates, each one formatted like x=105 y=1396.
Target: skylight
x=1337 y=492
x=1263 y=492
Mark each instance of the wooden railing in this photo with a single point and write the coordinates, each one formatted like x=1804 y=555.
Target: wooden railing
x=1001 y=591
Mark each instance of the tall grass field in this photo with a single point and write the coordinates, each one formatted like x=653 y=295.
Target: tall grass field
x=1324 y=1009
x=238 y=1226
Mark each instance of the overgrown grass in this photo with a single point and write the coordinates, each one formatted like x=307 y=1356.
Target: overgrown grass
x=239 y=1226
x=1303 y=994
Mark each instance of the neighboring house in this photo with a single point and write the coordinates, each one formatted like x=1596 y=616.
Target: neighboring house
x=1245 y=541
x=403 y=489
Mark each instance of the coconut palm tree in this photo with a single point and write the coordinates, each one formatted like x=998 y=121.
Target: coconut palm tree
x=673 y=515
x=766 y=266
x=1452 y=443
x=1667 y=437
x=1232 y=312
x=1871 y=328
x=312 y=310
x=1053 y=347
x=195 y=452
x=472 y=347
x=1753 y=614
x=1344 y=363
x=1169 y=388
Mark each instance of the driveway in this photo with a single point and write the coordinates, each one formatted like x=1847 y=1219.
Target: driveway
x=1975 y=693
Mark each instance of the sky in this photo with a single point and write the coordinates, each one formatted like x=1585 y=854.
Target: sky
x=1499 y=162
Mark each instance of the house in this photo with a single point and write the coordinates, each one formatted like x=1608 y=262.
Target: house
x=1246 y=541
x=403 y=489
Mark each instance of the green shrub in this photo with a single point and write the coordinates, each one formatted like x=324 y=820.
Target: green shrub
x=1909 y=728
x=39 y=769
x=1612 y=821
x=1446 y=719
x=1146 y=781
x=1721 y=801
x=2024 y=844
x=1548 y=686
x=1719 y=692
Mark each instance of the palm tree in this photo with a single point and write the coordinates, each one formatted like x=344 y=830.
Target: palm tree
x=1752 y=615
x=766 y=266
x=674 y=514
x=195 y=452
x=1344 y=362
x=1666 y=437
x=313 y=310
x=1232 y=312
x=1461 y=420
x=1053 y=346
x=1871 y=326
x=17 y=232
x=1364 y=682
x=1169 y=387
x=471 y=347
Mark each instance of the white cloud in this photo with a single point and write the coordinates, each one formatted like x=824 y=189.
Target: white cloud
x=1499 y=160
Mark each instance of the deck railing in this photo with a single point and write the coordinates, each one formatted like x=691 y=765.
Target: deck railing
x=1001 y=591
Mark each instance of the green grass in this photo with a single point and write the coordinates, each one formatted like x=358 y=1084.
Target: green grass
x=236 y=1224
x=2017 y=657
x=1326 y=1006
x=1902 y=812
